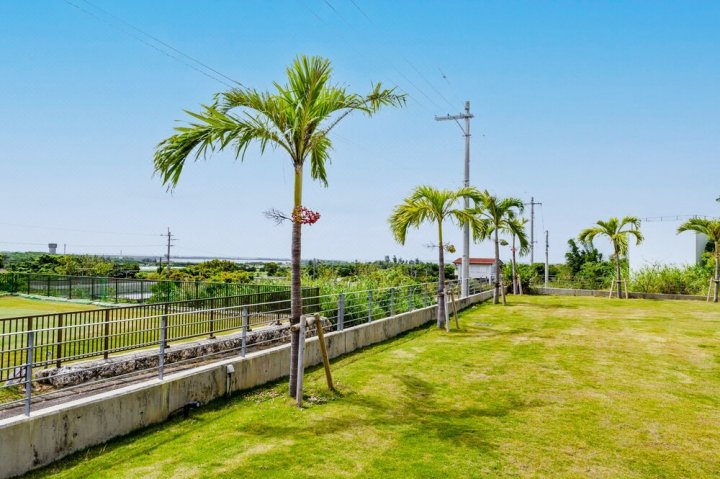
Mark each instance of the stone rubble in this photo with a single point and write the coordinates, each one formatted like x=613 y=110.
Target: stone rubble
x=85 y=371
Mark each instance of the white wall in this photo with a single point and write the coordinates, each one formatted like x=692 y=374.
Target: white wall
x=662 y=245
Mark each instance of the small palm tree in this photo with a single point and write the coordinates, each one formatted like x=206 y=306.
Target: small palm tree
x=711 y=229
x=494 y=216
x=516 y=229
x=618 y=232
x=430 y=205
x=297 y=119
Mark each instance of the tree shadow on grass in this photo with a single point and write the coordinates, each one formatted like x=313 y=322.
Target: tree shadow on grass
x=483 y=333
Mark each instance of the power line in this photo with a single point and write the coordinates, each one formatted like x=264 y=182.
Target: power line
x=653 y=219
x=362 y=11
x=164 y=43
x=397 y=70
x=155 y=47
x=412 y=65
x=86 y=245
x=75 y=230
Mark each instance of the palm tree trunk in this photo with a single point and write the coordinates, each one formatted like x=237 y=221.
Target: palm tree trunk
x=618 y=277
x=295 y=283
x=514 y=271
x=717 y=271
x=441 y=279
x=497 y=268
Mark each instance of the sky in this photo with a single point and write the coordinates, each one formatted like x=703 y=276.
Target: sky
x=595 y=109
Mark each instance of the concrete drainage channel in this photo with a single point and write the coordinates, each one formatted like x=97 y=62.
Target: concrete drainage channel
x=56 y=431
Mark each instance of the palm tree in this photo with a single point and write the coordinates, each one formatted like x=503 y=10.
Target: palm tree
x=516 y=229
x=619 y=237
x=296 y=118
x=494 y=216
x=430 y=205
x=711 y=229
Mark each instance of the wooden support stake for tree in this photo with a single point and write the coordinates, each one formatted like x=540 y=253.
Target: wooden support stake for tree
x=323 y=351
x=447 y=313
x=627 y=292
x=452 y=297
x=612 y=287
x=710 y=285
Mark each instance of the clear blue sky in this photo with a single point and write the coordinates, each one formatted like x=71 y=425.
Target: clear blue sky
x=594 y=108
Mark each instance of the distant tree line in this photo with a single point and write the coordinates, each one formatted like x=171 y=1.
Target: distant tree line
x=71 y=265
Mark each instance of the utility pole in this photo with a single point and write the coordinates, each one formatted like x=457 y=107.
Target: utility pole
x=547 y=258
x=532 y=228
x=465 y=265
x=170 y=239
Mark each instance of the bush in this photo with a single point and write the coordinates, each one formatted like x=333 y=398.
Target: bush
x=671 y=279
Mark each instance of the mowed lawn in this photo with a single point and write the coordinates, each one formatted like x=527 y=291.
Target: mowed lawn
x=545 y=387
x=13 y=306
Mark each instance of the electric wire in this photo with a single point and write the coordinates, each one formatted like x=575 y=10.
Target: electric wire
x=154 y=46
x=404 y=57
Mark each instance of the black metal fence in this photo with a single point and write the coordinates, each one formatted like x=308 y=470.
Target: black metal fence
x=125 y=290
x=62 y=337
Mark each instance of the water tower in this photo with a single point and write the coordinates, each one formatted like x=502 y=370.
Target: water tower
x=52 y=247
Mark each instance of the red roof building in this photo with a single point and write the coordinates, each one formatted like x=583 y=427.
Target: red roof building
x=480 y=268
x=477 y=261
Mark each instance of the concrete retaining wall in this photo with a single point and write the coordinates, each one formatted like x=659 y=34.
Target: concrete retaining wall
x=52 y=433
x=604 y=294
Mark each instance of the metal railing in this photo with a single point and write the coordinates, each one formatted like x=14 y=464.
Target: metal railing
x=573 y=283
x=125 y=290
x=42 y=344
x=70 y=336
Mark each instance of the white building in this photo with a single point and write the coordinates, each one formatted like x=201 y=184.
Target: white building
x=663 y=245
x=480 y=268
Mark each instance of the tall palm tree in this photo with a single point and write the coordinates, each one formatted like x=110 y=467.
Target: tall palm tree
x=296 y=118
x=494 y=216
x=618 y=232
x=711 y=229
x=430 y=205
x=516 y=229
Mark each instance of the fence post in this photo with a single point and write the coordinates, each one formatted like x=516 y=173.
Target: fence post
x=245 y=315
x=47 y=277
x=69 y=287
x=426 y=300
x=392 y=302
x=212 y=318
x=197 y=289
x=370 y=306
x=410 y=298
x=163 y=337
x=116 y=290
x=106 y=345
x=58 y=347
x=341 y=312
x=92 y=288
x=28 y=370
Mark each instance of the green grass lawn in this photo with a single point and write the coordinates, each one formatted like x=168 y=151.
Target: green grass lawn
x=13 y=306
x=545 y=387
